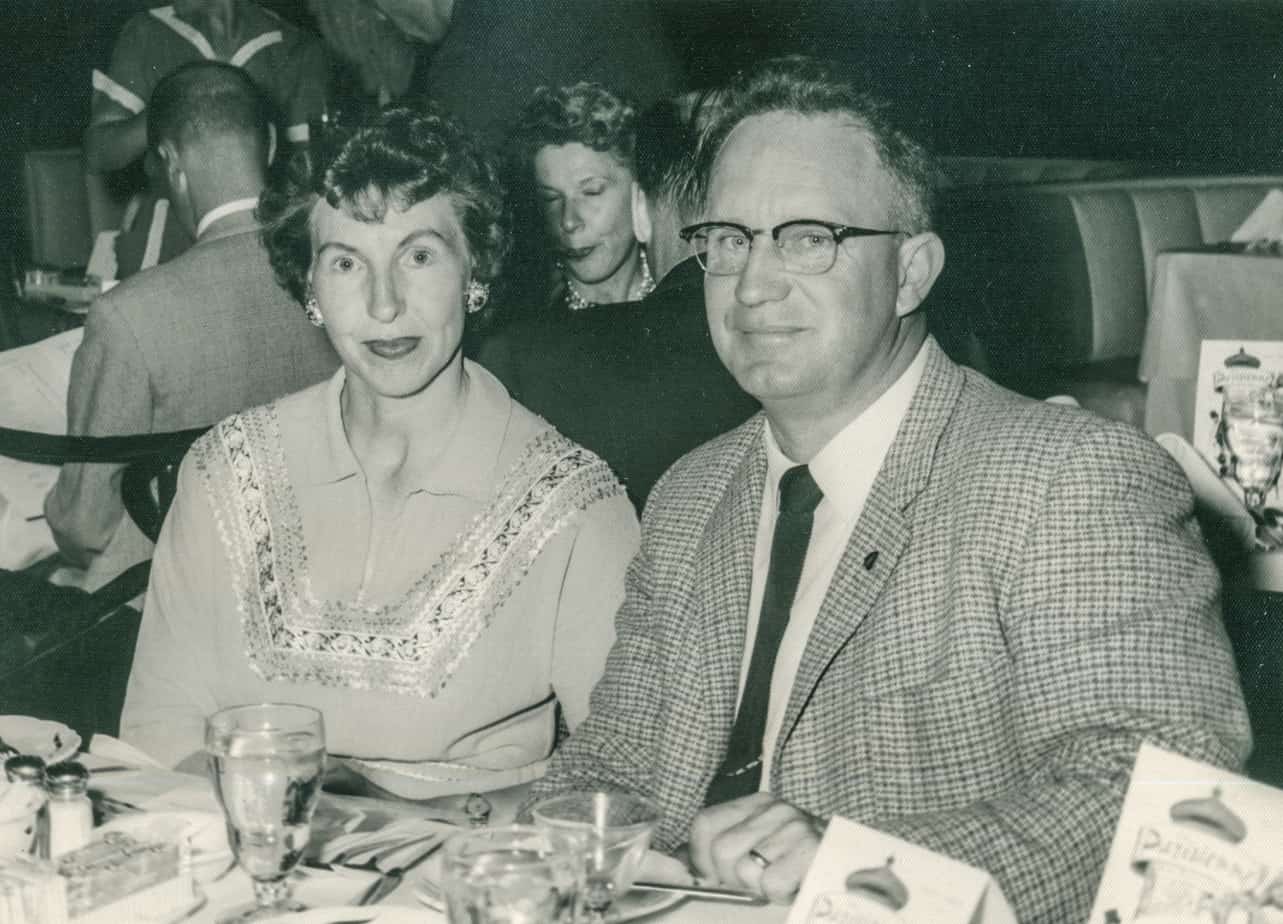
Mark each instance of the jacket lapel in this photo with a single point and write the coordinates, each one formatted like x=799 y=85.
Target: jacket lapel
x=881 y=534
x=724 y=574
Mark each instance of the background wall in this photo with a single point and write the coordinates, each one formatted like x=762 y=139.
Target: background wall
x=1194 y=84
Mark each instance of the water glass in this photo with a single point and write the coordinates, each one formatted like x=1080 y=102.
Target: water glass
x=512 y=875
x=613 y=830
x=267 y=763
x=1253 y=434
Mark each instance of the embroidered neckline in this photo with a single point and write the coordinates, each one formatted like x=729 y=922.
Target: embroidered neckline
x=413 y=645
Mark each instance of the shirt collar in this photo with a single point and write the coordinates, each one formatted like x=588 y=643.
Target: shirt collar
x=848 y=463
x=222 y=217
x=466 y=468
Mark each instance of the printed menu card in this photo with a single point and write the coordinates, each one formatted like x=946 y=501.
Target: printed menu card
x=863 y=876
x=1194 y=845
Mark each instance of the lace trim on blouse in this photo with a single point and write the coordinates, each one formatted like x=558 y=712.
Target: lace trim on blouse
x=413 y=645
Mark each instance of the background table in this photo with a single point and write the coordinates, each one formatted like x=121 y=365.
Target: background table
x=1197 y=296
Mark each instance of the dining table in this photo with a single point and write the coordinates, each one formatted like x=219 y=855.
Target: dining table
x=152 y=789
x=1223 y=292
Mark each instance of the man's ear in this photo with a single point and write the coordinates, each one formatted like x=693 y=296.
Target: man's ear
x=643 y=227
x=175 y=175
x=921 y=260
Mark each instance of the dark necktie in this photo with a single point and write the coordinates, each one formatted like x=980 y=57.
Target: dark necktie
x=741 y=770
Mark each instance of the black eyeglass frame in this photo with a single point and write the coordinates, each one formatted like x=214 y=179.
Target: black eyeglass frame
x=840 y=233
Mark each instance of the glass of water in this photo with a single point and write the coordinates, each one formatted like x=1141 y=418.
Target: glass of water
x=517 y=874
x=267 y=762
x=1253 y=434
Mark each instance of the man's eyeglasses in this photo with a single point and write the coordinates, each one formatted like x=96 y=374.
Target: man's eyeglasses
x=805 y=245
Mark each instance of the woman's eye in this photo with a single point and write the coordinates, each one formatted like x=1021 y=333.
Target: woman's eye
x=421 y=257
x=344 y=264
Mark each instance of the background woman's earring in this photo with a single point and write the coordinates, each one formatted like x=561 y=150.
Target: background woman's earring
x=312 y=309
x=478 y=294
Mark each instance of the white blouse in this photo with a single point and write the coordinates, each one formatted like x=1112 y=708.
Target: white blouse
x=437 y=645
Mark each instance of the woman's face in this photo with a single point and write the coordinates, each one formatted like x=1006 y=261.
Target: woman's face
x=392 y=292
x=586 y=197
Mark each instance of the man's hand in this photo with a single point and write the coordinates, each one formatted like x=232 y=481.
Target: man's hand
x=730 y=843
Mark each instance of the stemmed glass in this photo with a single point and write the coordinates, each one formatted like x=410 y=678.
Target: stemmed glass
x=613 y=830
x=1252 y=428
x=513 y=875
x=267 y=762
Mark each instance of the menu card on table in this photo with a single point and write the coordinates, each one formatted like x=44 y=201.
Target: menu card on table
x=1228 y=368
x=863 y=876
x=1194 y=845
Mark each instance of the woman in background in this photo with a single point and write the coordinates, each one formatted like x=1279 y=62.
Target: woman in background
x=403 y=547
x=574 y=146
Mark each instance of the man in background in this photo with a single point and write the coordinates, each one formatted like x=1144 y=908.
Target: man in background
x=285 y=62
x=638 y=383
x=195 y=339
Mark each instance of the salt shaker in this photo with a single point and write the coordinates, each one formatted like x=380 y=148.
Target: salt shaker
x=69 y=812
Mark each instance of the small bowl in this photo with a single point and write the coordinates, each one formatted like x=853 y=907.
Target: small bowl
x=613 y=828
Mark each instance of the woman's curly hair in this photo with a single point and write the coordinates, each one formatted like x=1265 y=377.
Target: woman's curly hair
x=586 y=113
x=394 y=157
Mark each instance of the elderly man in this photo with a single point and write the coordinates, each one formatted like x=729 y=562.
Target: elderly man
x=901 y=594
x=193 y=340
x=638 y=383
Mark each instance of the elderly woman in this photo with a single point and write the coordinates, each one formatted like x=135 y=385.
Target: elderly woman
x=403 y=547
x=575 y=146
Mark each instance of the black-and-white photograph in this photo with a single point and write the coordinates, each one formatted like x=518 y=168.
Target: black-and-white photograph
x=691 y=461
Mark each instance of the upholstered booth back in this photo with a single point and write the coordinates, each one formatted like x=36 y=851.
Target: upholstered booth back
x=992 y=171
x=57 y=210
x=1058 y=274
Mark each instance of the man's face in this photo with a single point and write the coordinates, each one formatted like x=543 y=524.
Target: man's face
x=813 y=344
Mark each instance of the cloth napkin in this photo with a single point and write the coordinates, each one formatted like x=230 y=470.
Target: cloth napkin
x=1266 y=221
x=113 y=750
x=401 y=843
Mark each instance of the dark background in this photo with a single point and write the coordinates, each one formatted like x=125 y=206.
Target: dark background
x=1193 y=85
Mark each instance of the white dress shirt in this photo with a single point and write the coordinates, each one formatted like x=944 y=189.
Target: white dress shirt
x=844 y=470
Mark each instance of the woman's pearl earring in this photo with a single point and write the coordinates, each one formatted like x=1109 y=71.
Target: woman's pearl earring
x=478 y=294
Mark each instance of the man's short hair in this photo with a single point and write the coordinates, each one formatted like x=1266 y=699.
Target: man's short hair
x=807 y=86
x=205 y=99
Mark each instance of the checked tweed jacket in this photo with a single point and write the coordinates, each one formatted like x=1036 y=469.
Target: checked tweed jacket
x=1024 y=599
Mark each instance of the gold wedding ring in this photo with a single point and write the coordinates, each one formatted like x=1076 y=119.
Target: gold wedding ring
x=757 y=858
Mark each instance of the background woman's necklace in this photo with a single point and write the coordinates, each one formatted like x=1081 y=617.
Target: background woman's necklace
x=644 y=286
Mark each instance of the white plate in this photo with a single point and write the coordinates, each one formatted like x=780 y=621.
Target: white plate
x=377 y=914
x=52 y=741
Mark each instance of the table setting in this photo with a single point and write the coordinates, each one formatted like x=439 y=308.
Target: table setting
x=258 y=840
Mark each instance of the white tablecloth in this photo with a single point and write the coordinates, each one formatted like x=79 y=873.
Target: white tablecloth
x=165 y=790
x=33 y=396
x=1202 y=295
